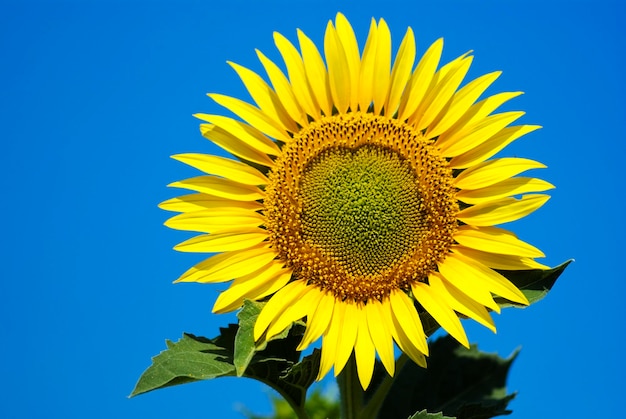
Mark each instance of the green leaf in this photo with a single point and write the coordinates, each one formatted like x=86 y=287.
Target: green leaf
x=245 y=347
x=425 y=415
x=462 y=383
x=190 y=359
x=429 y=324
x=291 y=380
x=534 y=283
x=276 y=363
x=244 y=339
x=303 y=373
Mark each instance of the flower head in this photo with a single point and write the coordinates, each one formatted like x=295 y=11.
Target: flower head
x=364 y=192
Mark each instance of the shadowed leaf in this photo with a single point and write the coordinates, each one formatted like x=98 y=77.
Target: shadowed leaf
x=534 y=283
x=425 y=415
x=461 y=383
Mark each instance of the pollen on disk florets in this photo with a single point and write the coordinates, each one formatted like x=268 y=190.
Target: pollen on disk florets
x=360 y=205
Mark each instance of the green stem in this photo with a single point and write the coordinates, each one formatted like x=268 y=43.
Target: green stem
x=350 y=391
x=375 y=403
x=298 y=409
x=300 y=412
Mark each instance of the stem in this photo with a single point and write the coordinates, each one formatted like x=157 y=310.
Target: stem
x=350 y=391
x=300 y=413
x=298 y=410
x=374 y=404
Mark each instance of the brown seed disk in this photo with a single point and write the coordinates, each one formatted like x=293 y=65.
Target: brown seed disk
x=361 y=205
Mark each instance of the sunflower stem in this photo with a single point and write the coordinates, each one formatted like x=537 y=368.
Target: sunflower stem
x=300 y=412
x=350 y=391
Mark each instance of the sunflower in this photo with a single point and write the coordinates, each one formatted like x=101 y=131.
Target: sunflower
x=363 y=193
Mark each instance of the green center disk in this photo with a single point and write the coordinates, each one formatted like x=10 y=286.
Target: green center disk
x=362 y=207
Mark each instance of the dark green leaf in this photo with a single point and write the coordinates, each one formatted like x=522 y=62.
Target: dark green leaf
x=466 y=384
x=487 y=408
x=303 y=373
x=429 y=324
x=534 y=283
x=425 y=415
x=278 y=367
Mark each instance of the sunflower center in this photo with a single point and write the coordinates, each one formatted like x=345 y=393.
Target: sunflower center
x=360 y=205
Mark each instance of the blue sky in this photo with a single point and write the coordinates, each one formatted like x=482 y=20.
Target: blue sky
x=97 y=95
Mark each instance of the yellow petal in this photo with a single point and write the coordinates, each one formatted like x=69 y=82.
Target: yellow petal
x=283 y=89
x=404 y=313
x=316 y=73
x=319 y=320
x=243 y=132
x=382 y=65
x=454 y=271
x=351 y=49
x=495 y=240
x=405 y=344
x=198 y=202
x=508 y=187
x=461 y=102
x=274 y=285
x=215 y=220
x=475 y=135
x=295 y=311
x=479 y=273
x=220 y=166
x=480 y=111
x=364 y=351
x=266 y=99
x=401 y=72
x=439 y=95
x=219 y=187
x=224 y=241
x=379 y=325
x=437 y=307
x=499 y=261
x=252 y=286
x=338 y=69
x=249 y=135
x=234 y=145
x=226 y=266
x=347 y=337
x=493 y=171
x=502 y=210
x=460 y=302
x=330 y=341
x=297 y=75
x=368 y=65
x=491 y=146
x=277 y=305
x=253 y=116
x=420 y=81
